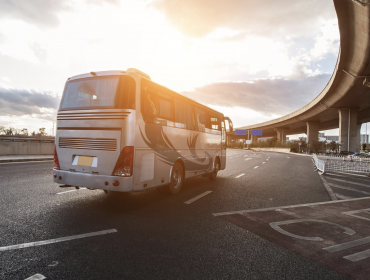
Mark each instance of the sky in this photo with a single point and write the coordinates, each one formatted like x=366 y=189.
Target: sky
x=252 y=60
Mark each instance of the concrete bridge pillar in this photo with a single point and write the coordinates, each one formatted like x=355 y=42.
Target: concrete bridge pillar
x=254 y=139
x=312 y=131
x=349 y=130
x=281 y=135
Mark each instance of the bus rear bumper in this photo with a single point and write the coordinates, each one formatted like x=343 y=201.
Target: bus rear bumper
x=93 y=181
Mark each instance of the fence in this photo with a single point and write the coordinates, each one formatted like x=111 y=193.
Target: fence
x=326 y=165
x=364 y=158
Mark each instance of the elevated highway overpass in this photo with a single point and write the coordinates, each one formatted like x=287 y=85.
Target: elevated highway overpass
x=345 y=101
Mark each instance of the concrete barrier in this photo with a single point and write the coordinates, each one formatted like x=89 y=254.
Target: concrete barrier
x=26 y=148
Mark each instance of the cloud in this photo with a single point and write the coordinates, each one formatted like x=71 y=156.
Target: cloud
x=100 y=2
x=266 y=18
x=18 y=102
x=39 y=12
x=38 y=51
x=273 y=96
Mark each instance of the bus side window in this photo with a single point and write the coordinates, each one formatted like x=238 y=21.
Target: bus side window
x=127 y=92
x=200 y=119
x=184 y=114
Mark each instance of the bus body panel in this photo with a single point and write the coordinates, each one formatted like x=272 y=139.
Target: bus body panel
x=156 y=147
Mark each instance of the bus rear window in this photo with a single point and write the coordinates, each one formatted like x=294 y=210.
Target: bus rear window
x=99 y=92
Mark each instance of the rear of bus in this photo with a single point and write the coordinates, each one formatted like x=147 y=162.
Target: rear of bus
x=94 y=144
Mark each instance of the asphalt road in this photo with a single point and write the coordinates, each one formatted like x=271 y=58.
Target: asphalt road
x=158 y=236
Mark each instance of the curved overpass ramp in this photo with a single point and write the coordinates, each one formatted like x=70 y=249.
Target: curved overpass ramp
x=345 y=101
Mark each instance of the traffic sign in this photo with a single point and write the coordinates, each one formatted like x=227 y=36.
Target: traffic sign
x=256 y=132
x=240 y=132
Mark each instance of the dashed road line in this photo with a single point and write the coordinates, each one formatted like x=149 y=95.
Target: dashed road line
x=255 y=167
x=240 y=175
x=248 y=158
x=263 y=162
x=197 y=197
x=56 y=240
x=71 y=191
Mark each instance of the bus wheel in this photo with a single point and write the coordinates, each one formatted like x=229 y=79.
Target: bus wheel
x=177 y=179
x=213 y=175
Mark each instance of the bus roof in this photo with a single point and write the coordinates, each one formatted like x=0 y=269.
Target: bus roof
x=140 y=73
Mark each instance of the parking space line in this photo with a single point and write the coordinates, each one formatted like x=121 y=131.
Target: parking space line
x=347 y=245
x=328 y=188
x=343 y=197
x=349 y=189
x=56 y=240
x=197 y=197
x=37 y=276
x=240 y=175
x=283 y=207
x=352 y=183
x=358 y=256
x=71 y=191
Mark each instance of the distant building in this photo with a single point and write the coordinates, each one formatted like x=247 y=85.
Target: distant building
x=332 y=138
x=364 y=138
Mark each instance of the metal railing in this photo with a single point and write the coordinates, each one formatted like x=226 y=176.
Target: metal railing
x=326 y=165
x=364 y=158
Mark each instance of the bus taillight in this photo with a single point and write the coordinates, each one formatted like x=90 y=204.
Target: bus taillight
x=56 y=161
x=124 y=165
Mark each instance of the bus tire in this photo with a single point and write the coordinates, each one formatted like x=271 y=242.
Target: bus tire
x=177 y=179
x=213 y=174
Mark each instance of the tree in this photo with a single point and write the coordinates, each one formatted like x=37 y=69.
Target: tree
x=10 y=131
x=41 y=131
x=332 y=146
x=364 y=146
x=24 y=131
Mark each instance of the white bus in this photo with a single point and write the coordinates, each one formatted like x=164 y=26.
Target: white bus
x=120 y=132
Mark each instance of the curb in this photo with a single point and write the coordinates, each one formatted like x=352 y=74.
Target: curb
x=24 y=159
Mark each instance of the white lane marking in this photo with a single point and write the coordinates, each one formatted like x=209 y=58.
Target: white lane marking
x=347 y=245
x=240 y=175
x=288 y=157
x=349 y=189
x=255 y=167
x=71 y=191
x=328 y=188
x=267 y=159
x=358 y=256
x=56 y=240
x=248 y=158
x=341 y=196
x=197 y=197
x=263 y=162
x=37 y=276
x=352 y=183
x=283 y=207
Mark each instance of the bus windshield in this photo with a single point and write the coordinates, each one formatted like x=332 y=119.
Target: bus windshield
x=99 y=92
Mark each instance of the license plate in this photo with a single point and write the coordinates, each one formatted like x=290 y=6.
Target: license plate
x=85 y=161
